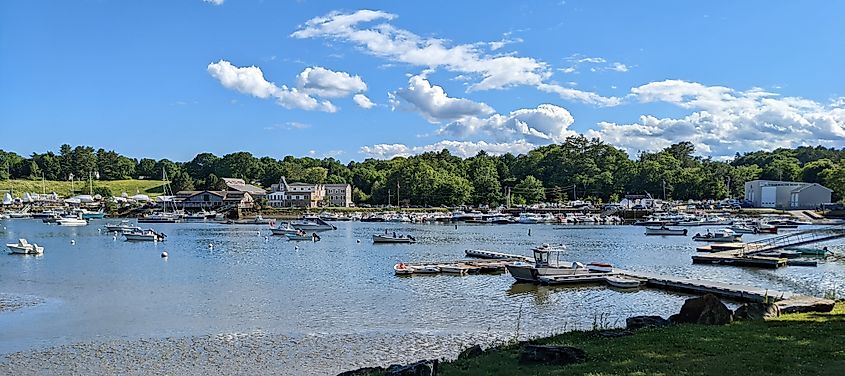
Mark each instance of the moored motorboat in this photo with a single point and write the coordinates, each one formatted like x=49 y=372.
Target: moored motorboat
x=546 y=263
x=743 y=229
x=22 y=247
x=454 y=268
x=72 y=221
x=283 y=228
x=123 y=226
x=160 y=217
x=724 y=236
x=303 y=236
x=665 y=231
x=147 y=235
x=312 y=223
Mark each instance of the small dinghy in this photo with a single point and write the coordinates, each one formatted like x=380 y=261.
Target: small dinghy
x=622 y=283
x=665 y=231
x=743 y=229
x=600 y=267
x=303 y=236
x=393 y=239
x=454 y=268
x=402 y=269
x=22 y=247
x=426 y=269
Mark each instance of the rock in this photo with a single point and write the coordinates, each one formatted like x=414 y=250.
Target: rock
x=557 y=355
x=805 y=304
x=421 y=368
x=707 y=310
x=638 y=322
x=614 y=333
x=471 y=352
x=756 y=311
x=366 y=371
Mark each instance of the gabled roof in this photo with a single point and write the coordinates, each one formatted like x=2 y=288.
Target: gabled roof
x=799 y=189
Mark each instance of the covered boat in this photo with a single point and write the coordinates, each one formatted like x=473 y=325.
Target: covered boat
x=393 y=239
x=546 y=263
x=283 y=228
x=665 y=231
x=312 y=224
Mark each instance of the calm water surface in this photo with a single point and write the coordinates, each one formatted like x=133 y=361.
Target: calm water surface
x=102 y=289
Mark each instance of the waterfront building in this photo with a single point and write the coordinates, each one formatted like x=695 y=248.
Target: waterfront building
x=786 y=194
x=213 y=199
x=239 y=185
x=297 y=195
x=338 y=195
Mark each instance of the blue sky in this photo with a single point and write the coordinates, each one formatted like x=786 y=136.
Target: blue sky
x=170 y=79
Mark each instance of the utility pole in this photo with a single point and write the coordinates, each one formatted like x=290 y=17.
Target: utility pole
x=664 y=189
x=397 y=195
x=729 y=187
x=508 y=197
x=388 y=197
x=574 y=196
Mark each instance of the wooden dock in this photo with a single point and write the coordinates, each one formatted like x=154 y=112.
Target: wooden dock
x=759 y=253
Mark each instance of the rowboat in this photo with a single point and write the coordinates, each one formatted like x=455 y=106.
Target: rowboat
x=623 y=283
x=665 y=231
x=454 y=268
x=302 y=237
x=393 y=239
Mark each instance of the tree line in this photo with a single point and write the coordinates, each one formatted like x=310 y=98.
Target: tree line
x=578 y=168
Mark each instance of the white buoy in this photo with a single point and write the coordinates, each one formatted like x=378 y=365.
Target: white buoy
x=296 y=247
x=164 y=254
x=266 y=238
x=114 y=237
x=357 y=240
x=99 y=230
x=258 y=233
x=72 y=242
x=210 y=246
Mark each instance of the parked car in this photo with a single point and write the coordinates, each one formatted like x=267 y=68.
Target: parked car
x=638 y=207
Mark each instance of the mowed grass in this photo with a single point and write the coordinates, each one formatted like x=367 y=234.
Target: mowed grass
x=63 y=188
x=797 y=344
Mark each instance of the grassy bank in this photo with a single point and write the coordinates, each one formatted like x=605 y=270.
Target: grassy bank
x=63 y=188
x=796 y=344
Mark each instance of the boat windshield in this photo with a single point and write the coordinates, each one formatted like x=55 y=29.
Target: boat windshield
x=546 y=258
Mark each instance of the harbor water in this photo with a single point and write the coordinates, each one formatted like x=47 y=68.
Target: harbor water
x=239 y=280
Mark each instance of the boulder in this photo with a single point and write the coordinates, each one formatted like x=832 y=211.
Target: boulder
x=471 y=352
x=421 y=368
x=638 y=322
x=556 y=355
x=707 y=310
x=756 y=311
x=805 y=304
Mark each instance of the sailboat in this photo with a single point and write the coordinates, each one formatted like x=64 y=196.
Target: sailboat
x=163 y=216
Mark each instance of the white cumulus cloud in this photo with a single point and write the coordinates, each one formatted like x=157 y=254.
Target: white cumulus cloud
x=460 y=148
x=250 y=80
x=214 y=2
x=324 y=82
x=725 y=121
x=362 y=101
x=544 y=124
x=432 y=102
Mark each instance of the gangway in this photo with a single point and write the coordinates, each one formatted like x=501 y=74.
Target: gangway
x=793 y=240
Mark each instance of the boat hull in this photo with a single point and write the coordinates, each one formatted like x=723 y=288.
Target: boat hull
x=665 y=231
x=392 y=240
x=526 y=272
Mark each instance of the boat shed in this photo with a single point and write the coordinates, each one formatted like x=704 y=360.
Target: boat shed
x=786 y=195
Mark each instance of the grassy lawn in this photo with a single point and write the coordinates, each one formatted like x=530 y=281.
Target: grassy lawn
x=798 y=344
x=63 y=188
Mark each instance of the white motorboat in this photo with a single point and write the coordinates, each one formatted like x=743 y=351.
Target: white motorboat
x=550 y=247
x=160 y=217
x=546 y=263
x=303 y=236
x=312 y=224
x=664 y=230
x=283 y=228
x=743 y=229
x=622 y=283
x=724 y=236
x=72 y=221
x=402 y=269
x=529 y=218
x=123 y=226
x=19 y=214
x=147 y=235
x=393 y=239
x=22 y=247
